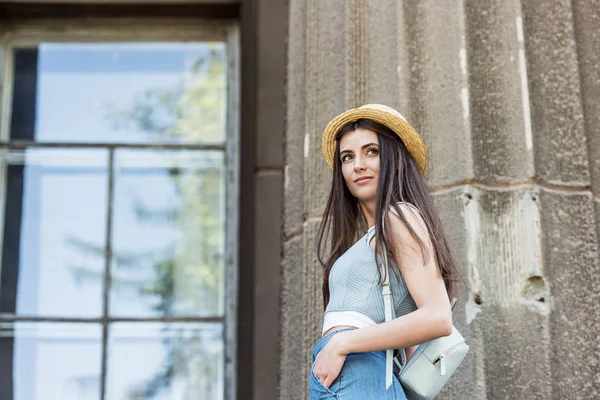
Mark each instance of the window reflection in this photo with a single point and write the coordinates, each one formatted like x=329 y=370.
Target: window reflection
x=120 y=92
x=119 y=103
x=40 y=361
x=168 y=233
x=163 y=362
x=54 y=232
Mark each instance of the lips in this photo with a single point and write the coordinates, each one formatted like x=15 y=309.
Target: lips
x=363 y=179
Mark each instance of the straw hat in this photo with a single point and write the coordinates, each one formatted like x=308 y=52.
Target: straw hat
x=384 y=115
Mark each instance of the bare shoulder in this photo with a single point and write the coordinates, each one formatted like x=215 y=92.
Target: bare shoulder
x=399 y=229
x=411 y=214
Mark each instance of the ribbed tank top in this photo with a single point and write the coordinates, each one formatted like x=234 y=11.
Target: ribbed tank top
x=354 y=288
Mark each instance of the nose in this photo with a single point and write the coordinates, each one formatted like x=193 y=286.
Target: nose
x=359 y=164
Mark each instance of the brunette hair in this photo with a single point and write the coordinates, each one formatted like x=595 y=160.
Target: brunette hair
x=399 y=181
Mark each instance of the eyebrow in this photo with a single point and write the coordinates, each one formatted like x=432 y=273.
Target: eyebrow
x=363 y=147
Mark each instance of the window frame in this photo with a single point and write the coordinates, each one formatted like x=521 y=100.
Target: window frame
x=89 y=30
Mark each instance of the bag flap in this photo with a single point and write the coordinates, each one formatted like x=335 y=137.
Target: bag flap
x=443 y=344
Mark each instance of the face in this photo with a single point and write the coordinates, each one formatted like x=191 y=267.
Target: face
x=359 y=154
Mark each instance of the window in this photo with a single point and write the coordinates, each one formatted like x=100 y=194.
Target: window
x=118 y=211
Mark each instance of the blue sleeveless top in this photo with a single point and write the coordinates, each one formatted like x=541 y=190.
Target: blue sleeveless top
x=354 y=284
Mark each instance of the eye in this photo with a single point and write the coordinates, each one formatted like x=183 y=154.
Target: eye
x=346 y=157
x=372 y=151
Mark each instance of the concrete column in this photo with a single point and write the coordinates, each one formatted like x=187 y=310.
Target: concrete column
x=293 y=371
x=325 y=87
x=374 y=58
x=439 y=100
x=561 y=155
x=509 y=112
x=498 y=91
x=563 y=169
x=587 y=19
x=586 y=14
x=459 y=217
x=509 y=299
x=438 y=87
x=293 y=368
x=514 y=293
x=316 y=88
x=573 y=272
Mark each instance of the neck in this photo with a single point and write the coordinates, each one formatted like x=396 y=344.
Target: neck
x=368 y=209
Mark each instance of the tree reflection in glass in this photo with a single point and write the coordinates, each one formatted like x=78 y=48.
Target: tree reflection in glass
x=181 y=273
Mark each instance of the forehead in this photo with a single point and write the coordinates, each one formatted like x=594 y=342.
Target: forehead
x=356 y=139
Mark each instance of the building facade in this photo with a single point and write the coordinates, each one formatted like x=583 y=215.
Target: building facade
x=162 y=183
x=507 y=97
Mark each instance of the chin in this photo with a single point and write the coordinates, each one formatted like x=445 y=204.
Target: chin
x=364 y=196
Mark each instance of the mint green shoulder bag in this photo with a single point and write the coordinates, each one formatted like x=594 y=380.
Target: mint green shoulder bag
x=432 y=364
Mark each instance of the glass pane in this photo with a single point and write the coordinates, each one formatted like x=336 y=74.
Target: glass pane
x=168 y=233
x=40 y=361
x=165 y=361
x=120 y=92
x=53 y=253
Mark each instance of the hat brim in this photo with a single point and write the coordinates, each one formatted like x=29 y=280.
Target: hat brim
x=410 y=137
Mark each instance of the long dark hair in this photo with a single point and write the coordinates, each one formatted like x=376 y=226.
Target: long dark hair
x=399 y=181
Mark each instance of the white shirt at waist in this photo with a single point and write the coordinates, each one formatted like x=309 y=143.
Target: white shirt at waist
x=348 y=318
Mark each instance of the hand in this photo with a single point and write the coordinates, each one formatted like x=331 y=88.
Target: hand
x=410 y=351
x=329 y=361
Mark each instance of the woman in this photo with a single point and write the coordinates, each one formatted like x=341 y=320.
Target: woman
x=378 y=160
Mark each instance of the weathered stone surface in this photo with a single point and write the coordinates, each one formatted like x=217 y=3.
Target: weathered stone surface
x=597 y=209
x=586 y=14
x=573 y=270
x=312 y=322
x=469 y=381
x=513 y=293
x=403 y=57
x=293 y=214
x=293 y=381
x=312 y=319
x=508 y=242
x=372 y=37
x=517 y=362
x=325 y=81
x=529 y=256
x=554 y=84
x=439 y=87
x=502 y=148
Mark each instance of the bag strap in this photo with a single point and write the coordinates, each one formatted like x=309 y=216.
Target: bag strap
x=390 y=314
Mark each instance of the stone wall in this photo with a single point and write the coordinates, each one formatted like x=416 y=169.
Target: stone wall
x=507 y=97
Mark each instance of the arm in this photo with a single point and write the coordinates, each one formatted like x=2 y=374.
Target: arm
x=431 y=320
x=433 y=317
